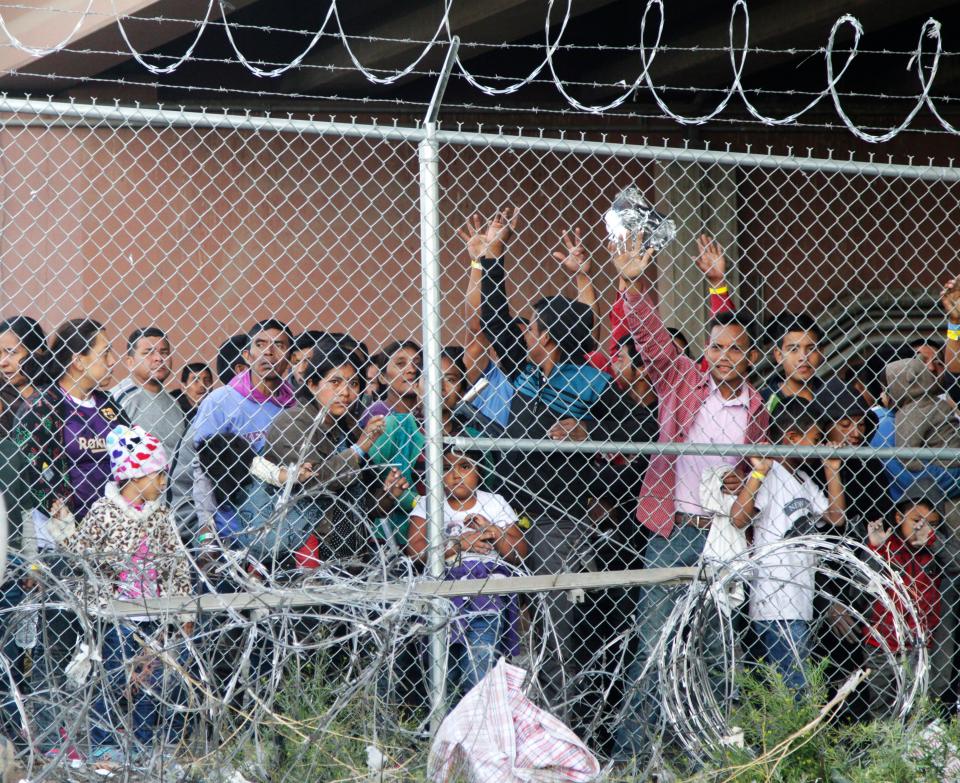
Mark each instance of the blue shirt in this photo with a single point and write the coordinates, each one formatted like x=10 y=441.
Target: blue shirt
x=570 y=391
x=227 y=412
x=494 y=401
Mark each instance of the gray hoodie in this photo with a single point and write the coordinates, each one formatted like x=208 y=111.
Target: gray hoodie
x=923 y=419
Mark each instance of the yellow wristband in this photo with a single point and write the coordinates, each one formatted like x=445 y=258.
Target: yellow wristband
x=953 y=335
x=475 y=264
x=719 y=291
x=758 y=475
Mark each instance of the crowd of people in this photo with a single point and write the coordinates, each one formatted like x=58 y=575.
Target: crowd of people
x=311 y=449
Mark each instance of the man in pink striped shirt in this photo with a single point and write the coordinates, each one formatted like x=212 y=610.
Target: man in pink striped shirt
x=713 y=404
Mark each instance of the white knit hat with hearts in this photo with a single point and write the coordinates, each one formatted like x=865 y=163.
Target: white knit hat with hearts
x=134 y=452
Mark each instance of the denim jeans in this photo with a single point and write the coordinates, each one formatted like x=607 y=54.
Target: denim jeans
x=284 y=533
x=655 y=605
x=121 y=710
x=785 y=644
x=476 y=654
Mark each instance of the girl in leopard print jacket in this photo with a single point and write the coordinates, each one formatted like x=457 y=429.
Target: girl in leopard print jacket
x=129 y=540
x=129 y=534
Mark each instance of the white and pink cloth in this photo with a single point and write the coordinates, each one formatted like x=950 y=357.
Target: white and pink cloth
x=497 y=735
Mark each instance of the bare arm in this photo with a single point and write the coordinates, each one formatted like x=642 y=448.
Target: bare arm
x=476 y=357
x=511 y=545
x=745 y=504
x=950 y=299
x=417 y=543
x=417 y=538
x=473 y=235
x=713 y=263
x=483 y=241
x=836 y=501
x=666 y=366
x=576 y=262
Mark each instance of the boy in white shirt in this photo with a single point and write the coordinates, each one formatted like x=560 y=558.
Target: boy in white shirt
x=781 y=499
x=482 y=540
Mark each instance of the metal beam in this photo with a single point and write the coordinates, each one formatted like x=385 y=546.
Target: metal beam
x=391 y=592
x=62 y=114
x=701 y=449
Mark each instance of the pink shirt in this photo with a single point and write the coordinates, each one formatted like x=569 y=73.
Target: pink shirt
x=718 y=421
x=682 y=388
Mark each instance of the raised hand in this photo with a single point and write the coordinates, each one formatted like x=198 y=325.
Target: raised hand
x=490 y=242
x=568 y=429
x=950 y=300
x=711 y=260
x=575 y=260
x=732 y=483
x=303 y=476
x=876 y=534
x=761 y=464
x=631 y=258
x=833 y=464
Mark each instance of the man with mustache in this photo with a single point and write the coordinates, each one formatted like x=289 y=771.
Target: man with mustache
x=246 y=406
x=715 y=405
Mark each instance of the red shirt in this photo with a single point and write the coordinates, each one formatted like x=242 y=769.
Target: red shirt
x=918 y=570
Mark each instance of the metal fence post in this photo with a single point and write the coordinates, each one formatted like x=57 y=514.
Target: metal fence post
x=429 y=157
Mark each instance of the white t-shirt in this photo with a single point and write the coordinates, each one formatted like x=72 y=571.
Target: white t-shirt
x=783 y=585
x=488 y=505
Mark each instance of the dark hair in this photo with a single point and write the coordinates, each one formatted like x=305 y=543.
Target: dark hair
x=229 y=355
x=794 y=414
x=397 y=345
x=933 y=342
x=379 y=360
x=266 y=325
x=32 y=338
x=475 y=455
x=144 y=331
x=721 y=320
x=343 y=343
x=455 y=355
x=627 y=341
x=73 y=338
x=568 y=324
x=873 y=373
x=908 y=501
x=307 y=341
x=793 y=322
x=194 y=368
x=226 y=460
x=677 y=334
x=325 y=358
x=347 y=343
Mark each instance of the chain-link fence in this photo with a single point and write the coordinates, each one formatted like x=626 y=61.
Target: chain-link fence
x=325 y=329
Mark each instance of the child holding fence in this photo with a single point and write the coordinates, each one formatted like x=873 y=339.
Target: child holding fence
x=782 y=500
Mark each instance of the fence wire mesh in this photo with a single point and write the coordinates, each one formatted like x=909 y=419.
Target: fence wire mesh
x=221 y=561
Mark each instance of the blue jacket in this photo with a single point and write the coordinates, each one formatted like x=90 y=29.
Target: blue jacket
x=948 y=479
